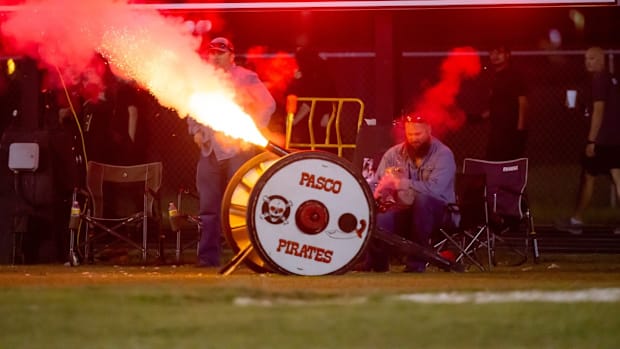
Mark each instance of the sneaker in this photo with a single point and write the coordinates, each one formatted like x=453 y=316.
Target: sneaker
x=571 y=225
x=205 y=265
x=415 y=268
x=367 y=267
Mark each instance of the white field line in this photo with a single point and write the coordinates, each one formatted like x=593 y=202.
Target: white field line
x=588 y=295
x=266 y=302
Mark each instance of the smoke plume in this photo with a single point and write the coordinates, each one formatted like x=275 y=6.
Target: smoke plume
x=156 y=51
x=437 y=104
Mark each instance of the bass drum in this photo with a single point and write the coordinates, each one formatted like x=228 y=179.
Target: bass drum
x=310 y=213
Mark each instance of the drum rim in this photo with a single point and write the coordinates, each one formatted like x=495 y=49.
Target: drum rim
x=254 y=259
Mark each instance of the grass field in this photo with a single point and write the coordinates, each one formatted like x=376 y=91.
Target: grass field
x=48 y=306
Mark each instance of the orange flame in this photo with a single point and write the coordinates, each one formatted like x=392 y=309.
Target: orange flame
x=222 y=114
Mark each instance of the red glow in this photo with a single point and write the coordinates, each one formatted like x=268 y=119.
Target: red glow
x=276 y=72
x=155 y=51
x=437 y=104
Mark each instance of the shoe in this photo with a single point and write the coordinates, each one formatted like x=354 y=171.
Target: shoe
x=571 y=225
x=410 y=269
x=366 y=267
x=205 y=265
x=457 y=267
x=381 y=269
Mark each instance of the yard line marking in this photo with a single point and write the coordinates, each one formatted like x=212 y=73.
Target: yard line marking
x=604 y=295
x=266 y=302
x=587 y=295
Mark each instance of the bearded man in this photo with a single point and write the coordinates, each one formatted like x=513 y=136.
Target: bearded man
x=414 y=183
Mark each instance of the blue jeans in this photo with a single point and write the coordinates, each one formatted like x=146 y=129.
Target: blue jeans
x=212 y=177
x=415 y=223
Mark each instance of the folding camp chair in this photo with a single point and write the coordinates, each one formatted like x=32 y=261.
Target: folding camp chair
x=509 y=210
x=118 y=206
x=466 y=234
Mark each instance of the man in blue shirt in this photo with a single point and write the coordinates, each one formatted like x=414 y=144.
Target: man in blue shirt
x=221 y=156
x=416 y=179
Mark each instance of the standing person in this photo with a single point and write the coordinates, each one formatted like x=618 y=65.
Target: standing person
x=220 y=156
x=507 y=109
x=312 y=79
x=418 y=175
x=110 y=116
x=602 y=150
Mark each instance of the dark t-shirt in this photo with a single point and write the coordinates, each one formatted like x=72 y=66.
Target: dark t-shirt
x=105 y=125
x=605 y=88
x=505 y=141
x=504 y=100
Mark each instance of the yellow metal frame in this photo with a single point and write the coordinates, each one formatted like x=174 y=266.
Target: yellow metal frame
x=332 y=123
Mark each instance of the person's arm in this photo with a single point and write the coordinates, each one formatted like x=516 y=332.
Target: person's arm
x=387 y=160
x=195 y=129
x=132 y=122
x=599 y=95
x=262 y=105
x=598 y=110
x=522 y=121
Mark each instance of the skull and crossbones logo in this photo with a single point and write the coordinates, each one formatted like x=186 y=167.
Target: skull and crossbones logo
x=276 y=209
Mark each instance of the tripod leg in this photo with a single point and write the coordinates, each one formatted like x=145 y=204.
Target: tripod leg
x=74 y=261
x=236 y=260
x=532 y=237
x=409 y=247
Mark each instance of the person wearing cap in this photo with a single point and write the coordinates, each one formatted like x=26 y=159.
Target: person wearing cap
x=222 y=156
x=414 y=183
x=507 y=108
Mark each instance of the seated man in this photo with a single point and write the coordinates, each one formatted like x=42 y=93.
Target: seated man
x=414 y=184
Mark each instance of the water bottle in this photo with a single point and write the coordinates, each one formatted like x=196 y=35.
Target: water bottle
x=74 y=218
x=173 y=215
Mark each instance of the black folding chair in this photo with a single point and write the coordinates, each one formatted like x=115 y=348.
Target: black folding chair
x=510 y=219
x=466 y=234
x=120 y=207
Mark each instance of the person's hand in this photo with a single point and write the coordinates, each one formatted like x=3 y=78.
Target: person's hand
x=198 y=139
x=394 y=188
x=590 y=150
x=64 y=114
x=384 y=192
x=404 y=192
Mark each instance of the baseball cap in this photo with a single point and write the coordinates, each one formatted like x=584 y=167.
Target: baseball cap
x=221 y=44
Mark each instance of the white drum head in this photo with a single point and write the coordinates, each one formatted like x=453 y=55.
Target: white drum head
x=310 y=213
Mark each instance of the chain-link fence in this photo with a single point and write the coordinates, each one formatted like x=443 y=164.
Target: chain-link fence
x=556 y=136
x=556 y=133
